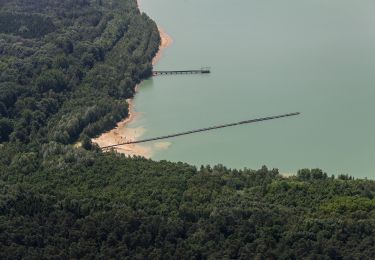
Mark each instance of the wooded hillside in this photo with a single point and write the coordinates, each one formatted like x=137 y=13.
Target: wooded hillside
x=66 y=68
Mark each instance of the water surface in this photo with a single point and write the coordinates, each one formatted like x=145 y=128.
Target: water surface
x=271 y=57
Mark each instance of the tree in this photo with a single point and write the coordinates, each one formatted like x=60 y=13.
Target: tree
x=51 y=80
x=86 y=142
x=6 y=128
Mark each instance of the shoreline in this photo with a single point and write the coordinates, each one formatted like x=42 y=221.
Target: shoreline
x=122 y=132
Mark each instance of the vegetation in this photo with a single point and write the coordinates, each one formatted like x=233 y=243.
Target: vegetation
x=66 y=68
x=72 y=203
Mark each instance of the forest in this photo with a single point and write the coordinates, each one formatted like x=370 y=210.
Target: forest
x=66 y=70
x=68 y=66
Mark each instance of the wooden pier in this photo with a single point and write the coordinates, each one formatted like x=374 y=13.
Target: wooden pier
x=205 y=70
x=204 y=129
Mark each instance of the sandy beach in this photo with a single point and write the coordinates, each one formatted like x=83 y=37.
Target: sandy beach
x=123 y=133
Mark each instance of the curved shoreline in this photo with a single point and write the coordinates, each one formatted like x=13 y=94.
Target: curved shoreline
x=123 y=133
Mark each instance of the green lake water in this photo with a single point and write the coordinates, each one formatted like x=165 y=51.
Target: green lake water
x=271 y=57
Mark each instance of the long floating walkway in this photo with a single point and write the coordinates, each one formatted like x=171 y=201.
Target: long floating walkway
x=175 y=72
x=204 y=129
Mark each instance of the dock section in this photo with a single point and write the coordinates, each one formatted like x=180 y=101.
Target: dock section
x=204 y=70
x=204 y=129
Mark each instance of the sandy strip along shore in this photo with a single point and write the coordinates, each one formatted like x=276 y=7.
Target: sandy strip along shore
x=122 y=133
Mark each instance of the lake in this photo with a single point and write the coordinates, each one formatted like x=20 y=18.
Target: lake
x=272 y=57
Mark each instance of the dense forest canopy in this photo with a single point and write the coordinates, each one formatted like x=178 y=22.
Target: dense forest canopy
x=66 y=69
x=67 y=66
x=72 y=203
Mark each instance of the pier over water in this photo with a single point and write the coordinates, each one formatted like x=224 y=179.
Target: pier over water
x=204 y=70
x=204 y=129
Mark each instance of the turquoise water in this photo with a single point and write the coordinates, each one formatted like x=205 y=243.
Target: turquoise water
x=272 y=57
